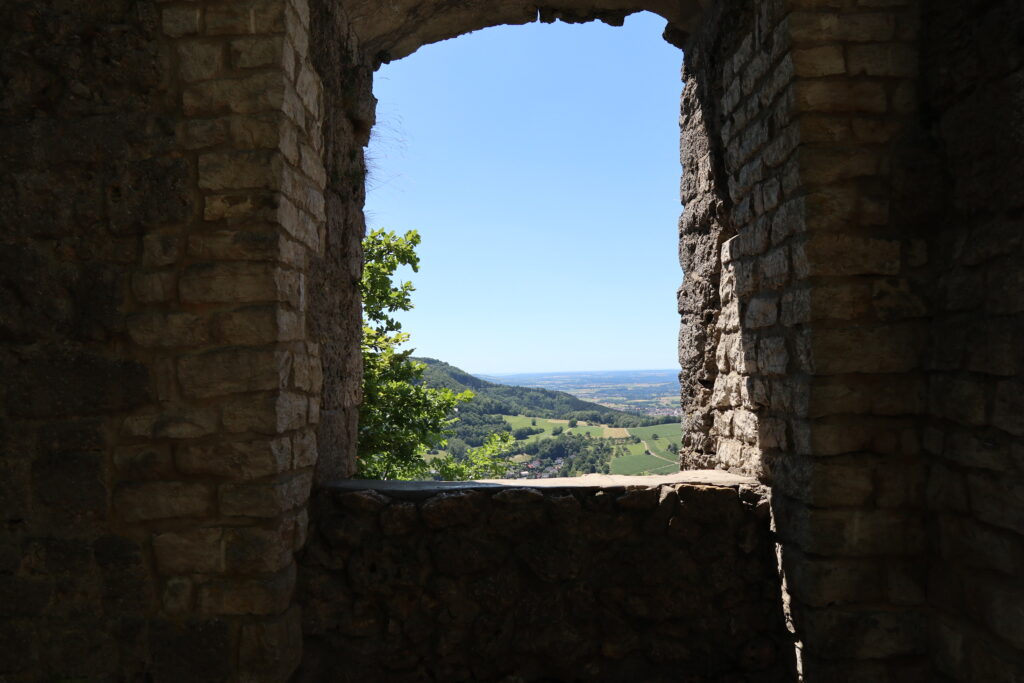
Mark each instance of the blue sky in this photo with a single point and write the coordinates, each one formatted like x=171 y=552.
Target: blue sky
x=540 y=165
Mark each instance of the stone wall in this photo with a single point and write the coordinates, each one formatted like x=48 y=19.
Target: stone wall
x=802 y=335
x=162 y=198
x=966 y=186
x=180 y=196
x=600 y=579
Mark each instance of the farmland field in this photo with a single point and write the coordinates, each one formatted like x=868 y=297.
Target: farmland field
x=667 y=434
x=520 y=421
x=635 y=464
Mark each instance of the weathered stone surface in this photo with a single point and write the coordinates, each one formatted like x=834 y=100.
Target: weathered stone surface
x=162 y=500
x=236 y=459
x=556 y=579
x=265 y=499
x=199 y=551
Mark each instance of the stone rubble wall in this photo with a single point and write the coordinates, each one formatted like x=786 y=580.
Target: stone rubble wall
x=967 y=189
x=578 y=581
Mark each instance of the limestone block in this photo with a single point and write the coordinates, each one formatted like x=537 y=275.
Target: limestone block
x=963 y=539
x=242 y=207
x=729 y=316
x=886 y=348
x=234 y=596
x=232 y=18
x=150 y=461
x=180 y=20
x=309 y=89
x=788 y=220
x=820 y=582
x=255 y=325
x=234 y=283
x=261 y=92
x=745 y=426
x=154 y=287
x=761 y=311
x=177 y=596
x=256 y=51
x=199 y=60
x=219 y=171
x=160 y=249
x=827 y=95
x=825 y=165
x=255 y=550
x=822 y=60
x=772 y=357
x=304 y=448
x=848 y=532
x=199 y=133
x=883 y=59
x=195 y=551
x=958 y=398
x=895 y=300
x=841 y=255
x=271 y=649
x=846 y=299
x=236 y=459
x=796 y=307
x=863 y=633
x=312 y=165
x=818 y=27
x=238 y=245
x=273 y=413
x=306 y=195
x=723 y=423
x=231 y=371
x=268 y=16
x=997 y=500
x=143 y=501
x=163 y=330
x=173 y=422
x=266 y=500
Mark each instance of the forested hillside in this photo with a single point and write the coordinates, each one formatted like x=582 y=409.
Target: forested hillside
x=501 y=399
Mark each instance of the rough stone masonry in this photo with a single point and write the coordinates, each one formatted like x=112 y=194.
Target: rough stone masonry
x=597 y=578
x=181 y=189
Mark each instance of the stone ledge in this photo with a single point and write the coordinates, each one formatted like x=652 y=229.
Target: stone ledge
x=590 y=481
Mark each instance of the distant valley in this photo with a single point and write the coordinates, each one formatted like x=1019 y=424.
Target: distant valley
x=648 y=392
x=558 y=433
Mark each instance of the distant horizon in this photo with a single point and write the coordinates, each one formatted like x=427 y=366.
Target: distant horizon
x=552 y=372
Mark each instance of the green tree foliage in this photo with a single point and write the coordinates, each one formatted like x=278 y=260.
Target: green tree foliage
x=489 y=461
x=401 y=418
x=572 y=423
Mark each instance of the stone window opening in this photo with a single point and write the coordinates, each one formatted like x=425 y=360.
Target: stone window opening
x=670 y=191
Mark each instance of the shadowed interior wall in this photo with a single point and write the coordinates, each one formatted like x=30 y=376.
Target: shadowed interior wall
x=966 y=189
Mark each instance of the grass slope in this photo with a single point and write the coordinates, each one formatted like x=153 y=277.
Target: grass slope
x=667 y=433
